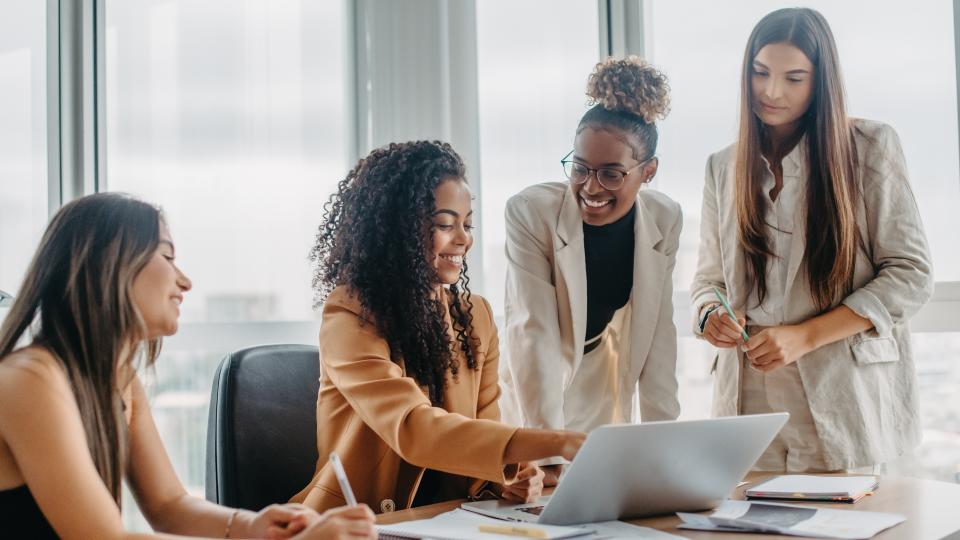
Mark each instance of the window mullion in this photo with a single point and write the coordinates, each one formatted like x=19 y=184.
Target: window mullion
x=414 y=76
x=75 y=103
x=622 y=28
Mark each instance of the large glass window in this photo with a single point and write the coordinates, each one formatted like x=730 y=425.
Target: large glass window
x=229 y=115
x=23 y=143
x=898 y=66
x=533 y=65
x=938 y=456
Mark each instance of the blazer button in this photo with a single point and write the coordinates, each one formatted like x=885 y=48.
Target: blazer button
x=387 y=505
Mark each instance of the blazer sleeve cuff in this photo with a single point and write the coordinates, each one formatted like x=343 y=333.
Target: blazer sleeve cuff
x=501 y=473
x=866 y=304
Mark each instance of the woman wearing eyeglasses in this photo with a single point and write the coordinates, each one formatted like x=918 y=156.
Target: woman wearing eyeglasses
x=589 y=263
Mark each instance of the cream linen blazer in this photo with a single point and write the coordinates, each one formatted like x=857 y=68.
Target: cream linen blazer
x=862 y=391
x=546 y=309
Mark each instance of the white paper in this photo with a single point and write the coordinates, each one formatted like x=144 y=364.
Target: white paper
x=461 y=524
x=792 y=520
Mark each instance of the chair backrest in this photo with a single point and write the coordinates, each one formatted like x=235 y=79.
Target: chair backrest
x=262 y=431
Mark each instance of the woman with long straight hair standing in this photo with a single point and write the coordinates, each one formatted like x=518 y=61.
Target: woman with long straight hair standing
x=810 y=228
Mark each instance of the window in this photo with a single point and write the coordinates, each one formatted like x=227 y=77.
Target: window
x=938 y=457
x=694 y=362
x=23 y=142
x=230 y=117
x=899 y=68
x=533 y=66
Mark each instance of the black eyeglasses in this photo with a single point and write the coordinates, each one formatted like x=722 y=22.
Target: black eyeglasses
x=609 y=178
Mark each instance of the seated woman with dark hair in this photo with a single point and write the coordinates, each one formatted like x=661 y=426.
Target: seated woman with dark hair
x=101 y=291
x=409 y=357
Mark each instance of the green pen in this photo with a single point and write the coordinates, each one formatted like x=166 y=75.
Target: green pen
x=727 y=307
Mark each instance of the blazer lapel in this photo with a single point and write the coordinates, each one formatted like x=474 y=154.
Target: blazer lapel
x=649 y=271
x=572 y=269
x=733 y=263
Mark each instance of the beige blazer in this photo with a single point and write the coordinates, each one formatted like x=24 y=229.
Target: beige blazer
x=381 y=423
x=546 y=308
x=862 y=391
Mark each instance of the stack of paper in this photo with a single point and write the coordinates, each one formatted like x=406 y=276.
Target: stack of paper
x=746 y=516
x=816 y=488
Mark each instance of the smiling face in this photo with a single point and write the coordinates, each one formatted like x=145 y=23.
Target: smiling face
x=452 y=228
x=782 y=84
x=598 y=147
x=158 y=289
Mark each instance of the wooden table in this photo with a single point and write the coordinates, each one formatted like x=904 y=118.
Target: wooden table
x=932 y=510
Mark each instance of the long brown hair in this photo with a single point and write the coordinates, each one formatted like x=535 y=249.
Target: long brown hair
x=831 y=229
x=77 y=298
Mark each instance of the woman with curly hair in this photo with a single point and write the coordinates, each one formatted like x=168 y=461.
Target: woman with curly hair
x=589 y=311
x=812 y=231
x=409 y=357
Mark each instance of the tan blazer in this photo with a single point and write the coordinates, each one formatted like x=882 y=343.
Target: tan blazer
x=381 y=423
x=862 y=391
x=546 y=308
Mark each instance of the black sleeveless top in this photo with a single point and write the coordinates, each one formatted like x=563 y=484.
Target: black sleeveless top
x=19 y=512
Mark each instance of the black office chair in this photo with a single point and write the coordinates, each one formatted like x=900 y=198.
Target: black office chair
x=262 y=431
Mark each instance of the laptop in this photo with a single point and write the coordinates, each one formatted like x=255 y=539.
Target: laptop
x=628 y=471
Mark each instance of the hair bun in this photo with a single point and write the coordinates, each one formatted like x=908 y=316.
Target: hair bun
x=630 y=84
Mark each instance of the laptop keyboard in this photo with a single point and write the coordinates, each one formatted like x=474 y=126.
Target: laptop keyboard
x=535 y=510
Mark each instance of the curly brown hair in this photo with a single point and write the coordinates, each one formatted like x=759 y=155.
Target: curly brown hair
x=630 y=95
x=630 y=84
x=372 y=241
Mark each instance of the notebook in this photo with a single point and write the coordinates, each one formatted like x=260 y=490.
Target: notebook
x=463 y=525
x=848 y=489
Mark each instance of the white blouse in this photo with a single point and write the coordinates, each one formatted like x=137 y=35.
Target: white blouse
x=784 y=214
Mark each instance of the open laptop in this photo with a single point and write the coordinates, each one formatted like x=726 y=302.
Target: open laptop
x=628 y=471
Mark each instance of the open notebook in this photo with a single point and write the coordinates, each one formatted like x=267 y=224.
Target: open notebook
x=814 y=488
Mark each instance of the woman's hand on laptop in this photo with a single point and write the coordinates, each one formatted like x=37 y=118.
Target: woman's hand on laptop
x=526 y=487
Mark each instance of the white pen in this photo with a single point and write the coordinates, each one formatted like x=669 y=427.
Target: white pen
x=342 y=479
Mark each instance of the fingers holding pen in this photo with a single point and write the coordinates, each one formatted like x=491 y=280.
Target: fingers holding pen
x=722 y=331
